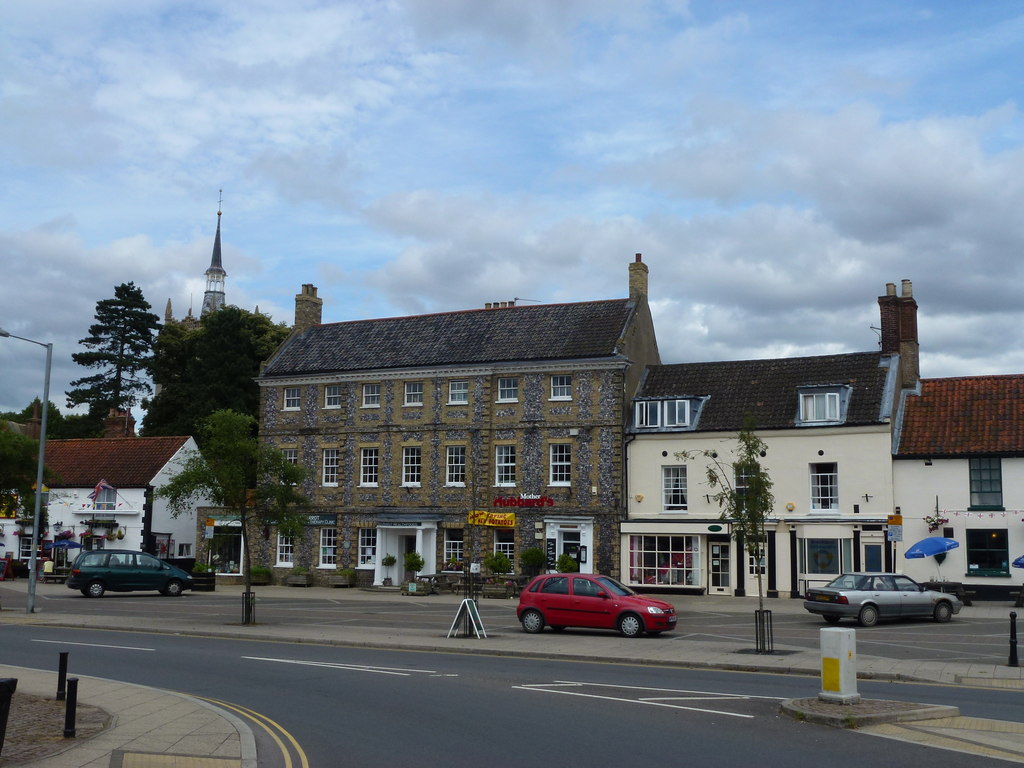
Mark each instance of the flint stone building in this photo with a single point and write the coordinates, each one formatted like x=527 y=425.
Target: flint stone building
x=460 y=433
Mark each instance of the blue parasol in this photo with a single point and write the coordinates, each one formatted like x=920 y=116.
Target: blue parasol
x=62 y=544
x=936 y=545
x=1019 y=562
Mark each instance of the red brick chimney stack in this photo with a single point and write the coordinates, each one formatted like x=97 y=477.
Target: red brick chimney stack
x=899 y=331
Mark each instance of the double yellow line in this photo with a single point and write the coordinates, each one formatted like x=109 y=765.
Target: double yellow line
x=290 y=749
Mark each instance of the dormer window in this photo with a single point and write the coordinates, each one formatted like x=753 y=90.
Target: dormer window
x=648 y=413
x=662 y=413
x=823 y=405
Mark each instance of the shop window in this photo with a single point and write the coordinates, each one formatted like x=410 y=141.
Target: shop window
x=285 y=550
x=328 y=547
x=367 y=546
x=826 y=556
x=668 y=560
x=987 y=552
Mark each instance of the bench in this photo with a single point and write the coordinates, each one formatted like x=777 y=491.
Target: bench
x=55 y=578
x=339 y=581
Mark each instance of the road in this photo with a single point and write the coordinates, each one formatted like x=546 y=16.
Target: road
x=356 y=706
x=981 y=640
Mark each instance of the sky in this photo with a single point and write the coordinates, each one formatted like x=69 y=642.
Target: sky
x=775 y=163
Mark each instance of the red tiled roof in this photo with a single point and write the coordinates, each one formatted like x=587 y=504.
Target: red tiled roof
x=124 y=462
x=972 y=415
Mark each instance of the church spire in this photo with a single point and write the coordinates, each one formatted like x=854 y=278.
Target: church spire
x=214 y=297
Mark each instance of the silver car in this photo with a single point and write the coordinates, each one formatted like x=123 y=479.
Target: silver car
x=868 y=597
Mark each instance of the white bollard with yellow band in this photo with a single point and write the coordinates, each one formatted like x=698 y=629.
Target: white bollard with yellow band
x=839 y=666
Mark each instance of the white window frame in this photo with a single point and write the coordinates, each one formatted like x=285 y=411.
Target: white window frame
x=458 y=392
x=328 y=547
x=824 y=486
x=413 y=393
x=291 y=455
x=292 y=398
x=505 y=542
x=672 y=411
x=332 y=396
x=412 y=466
x=671 y=487
x=369 y=467
x=285 y=550
x=331 y=460
x=819 y=406
x=453 y=546
x=505 y=466
x=367 y=546
x=106 y=500
x=508 y=389
x=561 y=387
x=648 y=413
x=371 y=395
x=560 y=464
x=455 y=466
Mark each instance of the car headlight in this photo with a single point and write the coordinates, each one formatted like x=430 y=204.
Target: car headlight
x=654 y=609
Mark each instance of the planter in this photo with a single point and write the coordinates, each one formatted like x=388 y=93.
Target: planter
x=204 y=582
x=259 y=579
x=299 y=580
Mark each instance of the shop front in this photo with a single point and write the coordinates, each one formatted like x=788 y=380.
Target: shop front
x=399 y=534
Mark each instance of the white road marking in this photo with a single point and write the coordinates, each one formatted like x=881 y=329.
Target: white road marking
x=97 y=645
x=350 y=667
x=560 y=686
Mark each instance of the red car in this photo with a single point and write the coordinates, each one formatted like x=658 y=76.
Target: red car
x=563 y=600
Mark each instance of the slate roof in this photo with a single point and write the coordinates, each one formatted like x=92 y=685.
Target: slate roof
x=590 y=329
x=124 y=462
x=966 y=416
x=767 y=389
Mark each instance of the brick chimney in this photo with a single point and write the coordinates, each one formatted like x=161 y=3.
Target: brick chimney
x=899 y=331
x=637 y=280
x=119 y=424
x=308 y=308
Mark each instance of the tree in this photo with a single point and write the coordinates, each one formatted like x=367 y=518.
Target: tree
x=120 y=344
x=209 y=368
x=742 y=489
x=236 y=471
x=18 y=467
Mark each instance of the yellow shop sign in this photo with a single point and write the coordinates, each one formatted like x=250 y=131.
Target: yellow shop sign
x=493 y=519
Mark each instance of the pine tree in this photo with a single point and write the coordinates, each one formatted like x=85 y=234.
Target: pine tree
x=120 y=344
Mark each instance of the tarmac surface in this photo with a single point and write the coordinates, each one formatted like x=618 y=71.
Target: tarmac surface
x=127 y=726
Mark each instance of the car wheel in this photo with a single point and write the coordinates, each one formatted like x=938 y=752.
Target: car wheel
x=868 y=616
x=84 y=591
x=943 y=612
x=832 y=619
x=173 y=588
x=532 y=621
x=95 y=589
x=630 y=625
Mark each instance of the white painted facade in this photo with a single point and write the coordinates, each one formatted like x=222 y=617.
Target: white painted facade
x=806 y=547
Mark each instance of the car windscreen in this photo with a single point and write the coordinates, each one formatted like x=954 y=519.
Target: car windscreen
x=614 y=587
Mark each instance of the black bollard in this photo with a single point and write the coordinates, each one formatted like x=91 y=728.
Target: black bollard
x=1013 y=640
x=62 y=676
x=8 y=686
x=70 y=707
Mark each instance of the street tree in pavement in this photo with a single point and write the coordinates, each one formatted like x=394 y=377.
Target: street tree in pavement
x=245 y=476
x=742 y=489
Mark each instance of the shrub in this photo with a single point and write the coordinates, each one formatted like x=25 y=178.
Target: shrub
x=497 y=562
x=413 y=562
x=566 y=564
x=199 y=567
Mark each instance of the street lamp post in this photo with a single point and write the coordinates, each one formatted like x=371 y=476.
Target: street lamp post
x=31 y=606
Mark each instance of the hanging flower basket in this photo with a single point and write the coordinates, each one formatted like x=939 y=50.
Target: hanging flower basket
x=65 y=534
x=934 y=522
x=85 y=534
x=120 y=533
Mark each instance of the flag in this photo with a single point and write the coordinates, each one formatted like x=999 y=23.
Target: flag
x=102 y=485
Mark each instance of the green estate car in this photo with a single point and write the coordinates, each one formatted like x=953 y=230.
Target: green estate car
x=93 y=573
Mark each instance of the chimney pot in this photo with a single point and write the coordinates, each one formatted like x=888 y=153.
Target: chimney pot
x=890 y=289
x=908 y=288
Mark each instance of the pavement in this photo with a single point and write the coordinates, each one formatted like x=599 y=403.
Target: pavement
x=141 y=727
